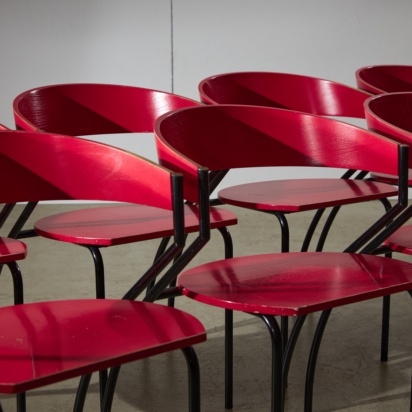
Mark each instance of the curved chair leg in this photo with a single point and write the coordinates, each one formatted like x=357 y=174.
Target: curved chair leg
x=160 y=250
x=106 y=405
x=326 y=228
x=277 y=367
x=193 y=381
x=228 y=241
x=311 y=231
x=194 y=378
x=284 y=249
x=386 y=300
x=171 y=300
x=284 y=226
x=310 y=373
x=100 y=294
x=319 y=213
x=17 y=282
x=16 y=231
x=228 y=359
x=290 y=346
x=81 y=393
x=277 y=361
x=98 y=270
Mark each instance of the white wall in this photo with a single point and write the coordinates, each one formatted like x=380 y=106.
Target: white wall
x=323 y=38
x=130 y=41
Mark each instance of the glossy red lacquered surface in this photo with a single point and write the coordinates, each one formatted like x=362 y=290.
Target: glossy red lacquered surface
x=303 y=194
x=284 y=90
x=11 y=250
x=43 y=343
x=292 y=284
x=78 y=169
x=88 y=109
x=80 y=109
x=115 y=225
x=401 y=240
x=390 y=115
x=223 y=137
x=385 y=78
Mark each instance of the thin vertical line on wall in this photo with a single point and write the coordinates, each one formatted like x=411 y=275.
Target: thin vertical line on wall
x=172 y=51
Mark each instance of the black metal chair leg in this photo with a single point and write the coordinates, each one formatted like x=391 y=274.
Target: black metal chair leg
x=386 y=305
x=21 y=402
x=21 y=221
x=284 y=226
x=290 y=346
x=310 y=373
x=160 y=250
x=277 y=361
x=311 y=231
x=194 y=378
x=107 y=402
x=284 y=249
x=228 y=241
x=162 y=247
x=331 y=218
x=193 y=381
x=81 y=393
x=171 y=300
x=100 y=294
x=326 y=228
x=228 y=359
x=98 y=270
x=17 y=282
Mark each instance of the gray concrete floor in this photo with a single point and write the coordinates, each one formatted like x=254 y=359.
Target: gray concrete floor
x=349 y=375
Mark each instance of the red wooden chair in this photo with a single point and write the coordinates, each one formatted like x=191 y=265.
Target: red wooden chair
x=286 y=284
x=384 y=78
x=48 y=342
x=390 y=114
x=97 y=109
x=306 y=94
x=293 y=92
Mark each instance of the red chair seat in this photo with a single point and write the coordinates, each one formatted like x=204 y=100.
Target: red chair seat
x=392 y=180
x=303 y=194
x=11 y=250
x=401 y=240
x=121 y=224
x=294 y=284
x=47 y=342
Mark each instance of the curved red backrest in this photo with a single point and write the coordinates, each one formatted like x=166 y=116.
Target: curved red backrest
x=38 y=166
x=283 y=90
x=385 y=78
x=391 y=115
x=222 y=137
x=80 y=109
